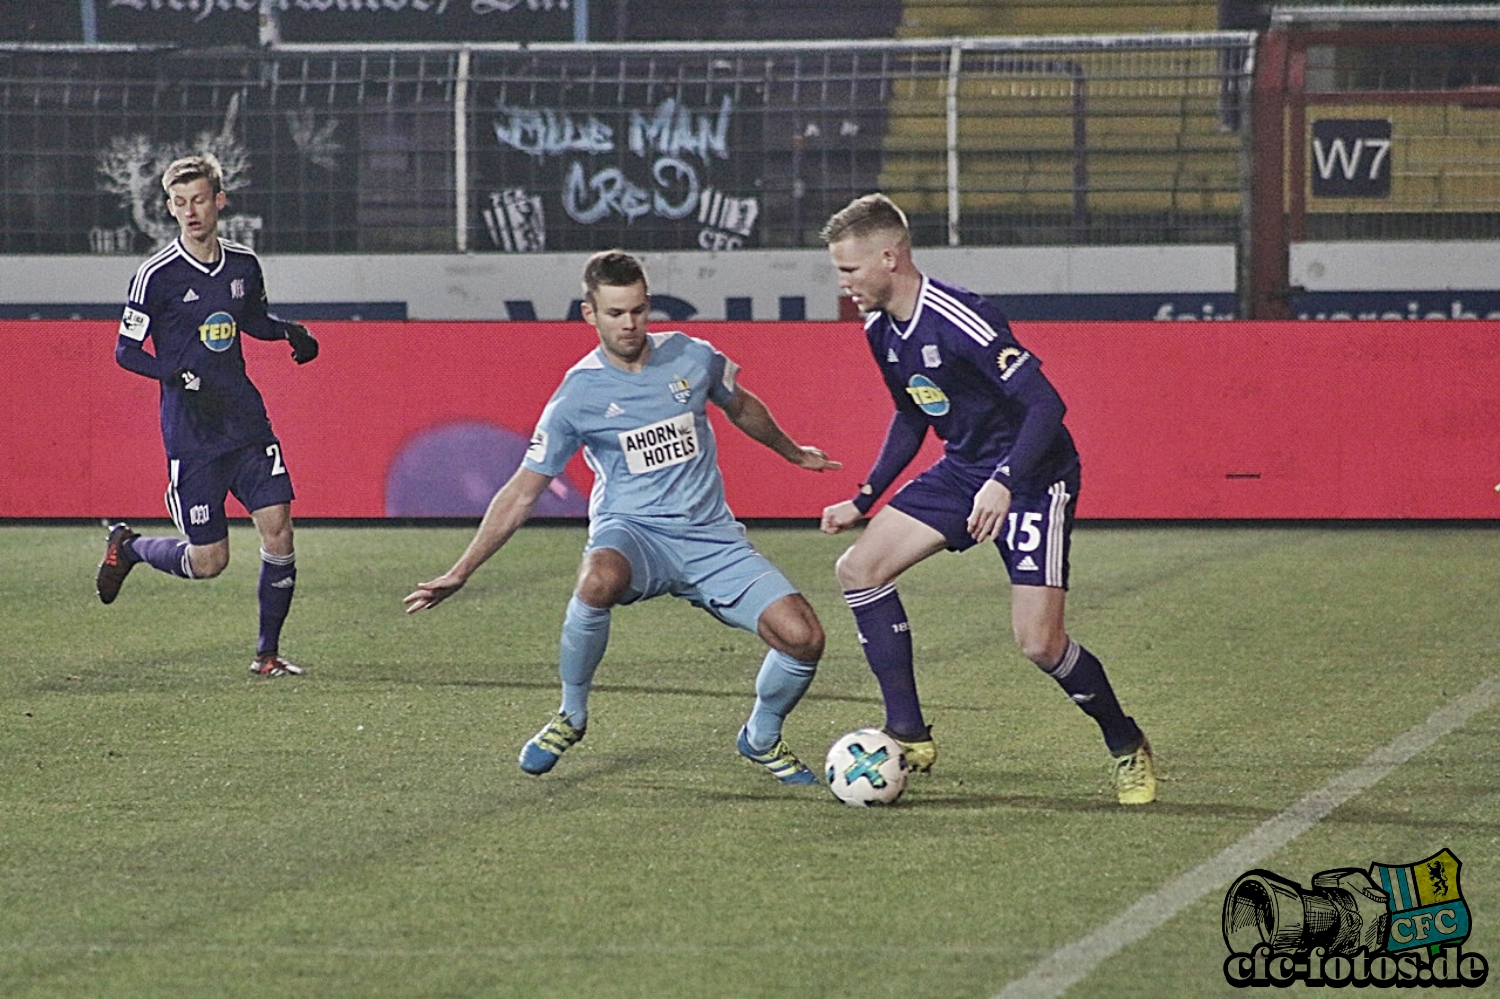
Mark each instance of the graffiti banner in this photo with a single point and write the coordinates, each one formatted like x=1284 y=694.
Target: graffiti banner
x=578 y=165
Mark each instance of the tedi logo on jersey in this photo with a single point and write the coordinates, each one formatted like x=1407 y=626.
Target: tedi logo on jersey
x=218 y=331
x=925 y=393
x=1392 y=925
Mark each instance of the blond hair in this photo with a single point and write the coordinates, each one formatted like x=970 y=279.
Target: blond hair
x=865 y=216
x=191 y=168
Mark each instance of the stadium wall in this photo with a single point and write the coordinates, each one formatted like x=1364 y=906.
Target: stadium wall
x=1102 y=282
x=1352 y=280
x=1360 y=420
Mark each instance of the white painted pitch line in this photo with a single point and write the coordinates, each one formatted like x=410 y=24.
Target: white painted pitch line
x=1069 y=965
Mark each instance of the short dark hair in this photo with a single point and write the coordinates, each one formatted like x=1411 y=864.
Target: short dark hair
x=866 y=215
x=615 y=268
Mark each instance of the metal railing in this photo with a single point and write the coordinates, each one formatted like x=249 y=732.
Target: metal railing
x=429 y=147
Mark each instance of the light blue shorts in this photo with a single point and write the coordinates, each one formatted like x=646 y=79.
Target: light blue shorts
x=712 y=567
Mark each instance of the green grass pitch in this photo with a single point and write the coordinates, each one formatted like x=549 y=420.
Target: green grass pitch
x=172 y=827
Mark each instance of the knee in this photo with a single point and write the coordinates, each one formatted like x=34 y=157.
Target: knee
x=603 y=582
x=277 y=542
x=598 y=592
x=274 y=525
x=852 y=571
x=792 y=628
x=1042 y=646
x=208 y=560
x=805 y=642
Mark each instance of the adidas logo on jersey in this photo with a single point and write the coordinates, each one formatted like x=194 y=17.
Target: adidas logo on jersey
x=1027 y=564
x=890 y=355
x=191 y=296
x=612 y=410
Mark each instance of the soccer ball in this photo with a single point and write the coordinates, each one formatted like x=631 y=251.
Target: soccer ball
x=866 y=767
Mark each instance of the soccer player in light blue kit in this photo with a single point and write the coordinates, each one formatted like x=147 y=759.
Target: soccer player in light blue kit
x=192 y=300
x=658 y=521
x=1009 y=475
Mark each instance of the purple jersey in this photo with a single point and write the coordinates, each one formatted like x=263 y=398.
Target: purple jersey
x=956 y=367
x=194 y=314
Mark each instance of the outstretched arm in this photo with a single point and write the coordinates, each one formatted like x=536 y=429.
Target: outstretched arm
x=509 y=509
x=747 y=412
x=903 y=439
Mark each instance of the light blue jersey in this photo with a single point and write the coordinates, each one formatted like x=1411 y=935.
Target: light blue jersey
x=658 y=502
x=645 y=434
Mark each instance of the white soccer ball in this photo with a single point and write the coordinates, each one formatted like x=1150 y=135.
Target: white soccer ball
x=866 y=767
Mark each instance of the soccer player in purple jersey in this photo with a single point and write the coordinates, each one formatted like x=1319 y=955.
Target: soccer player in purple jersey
x=193 y=298
x=1009 y=474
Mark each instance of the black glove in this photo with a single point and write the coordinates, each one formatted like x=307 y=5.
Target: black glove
x=202 y=402
x=304 y=346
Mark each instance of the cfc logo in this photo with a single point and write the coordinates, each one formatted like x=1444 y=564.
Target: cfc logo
x=218 y=331
x=925 y=393
x=1394 y=924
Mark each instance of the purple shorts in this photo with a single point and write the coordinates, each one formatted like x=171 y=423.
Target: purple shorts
x=1038 y=533
x=255 y=474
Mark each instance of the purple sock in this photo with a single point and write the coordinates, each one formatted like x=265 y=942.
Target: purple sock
x=167 y=555
x=278 y=580
x=1081 y=676
x=886 y=637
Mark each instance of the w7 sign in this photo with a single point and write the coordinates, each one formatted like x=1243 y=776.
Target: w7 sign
x=1351 y=159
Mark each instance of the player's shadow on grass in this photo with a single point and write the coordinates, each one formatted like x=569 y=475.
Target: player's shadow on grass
x=743 y=692
x=1104 y=802
x=643 y=769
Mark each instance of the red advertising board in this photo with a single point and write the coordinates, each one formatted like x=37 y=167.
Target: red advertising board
x=1372 y=420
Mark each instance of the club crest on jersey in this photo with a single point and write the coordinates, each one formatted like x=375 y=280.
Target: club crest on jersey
x=925 y=393
x=237 y=288
x=681 y=390
x=930 y=356
x=218 y=331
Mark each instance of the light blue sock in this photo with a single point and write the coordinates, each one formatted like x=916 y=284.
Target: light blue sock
x=585 y=634
x=780 y=685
